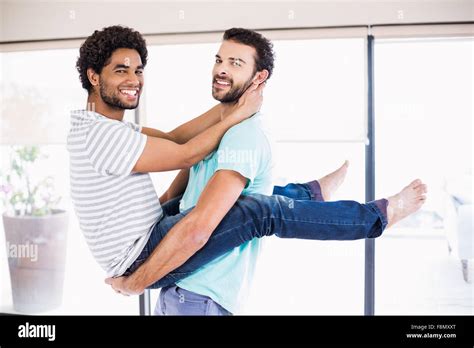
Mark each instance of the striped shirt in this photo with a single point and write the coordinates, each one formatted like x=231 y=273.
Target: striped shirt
x=116 y=209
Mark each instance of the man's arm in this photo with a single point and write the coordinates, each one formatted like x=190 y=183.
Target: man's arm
x=152 y=132
x=177 y=187
x=188 y=235
x=190 y=129
x=196 y=126
x=164 y=155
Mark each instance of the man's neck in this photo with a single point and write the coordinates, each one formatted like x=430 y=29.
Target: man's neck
x=226 y=109
x=97 y=105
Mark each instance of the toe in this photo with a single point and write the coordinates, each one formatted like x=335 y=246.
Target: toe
x=343 y=168
x=415 y=183
x=421 y=189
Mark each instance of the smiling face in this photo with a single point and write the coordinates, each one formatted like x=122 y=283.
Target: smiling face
x=233 y=72
x=120 y=83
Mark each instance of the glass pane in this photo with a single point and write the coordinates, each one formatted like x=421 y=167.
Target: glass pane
x=35 y=110
x=38 y=89
x=317 y=90
x=323 y=102
x=424 y=112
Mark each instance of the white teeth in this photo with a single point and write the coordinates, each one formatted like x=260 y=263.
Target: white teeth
x=222 y=82
x=129 y=92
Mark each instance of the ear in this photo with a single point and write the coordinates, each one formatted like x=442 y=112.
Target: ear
x=93 y=77
x=260 y=76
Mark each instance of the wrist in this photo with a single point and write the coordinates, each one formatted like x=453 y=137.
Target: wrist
x=135 y=283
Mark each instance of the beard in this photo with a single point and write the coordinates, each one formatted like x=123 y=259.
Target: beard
x=112 y=98
x=234 y=93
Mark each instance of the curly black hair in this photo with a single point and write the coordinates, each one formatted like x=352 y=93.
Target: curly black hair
x=265 y=55
x=96 y=51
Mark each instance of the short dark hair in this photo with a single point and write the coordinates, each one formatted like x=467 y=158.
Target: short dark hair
x=265 y=55
x=96 y=51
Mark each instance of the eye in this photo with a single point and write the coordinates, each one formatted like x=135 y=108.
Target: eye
x=236 y=63
x=218 y=60
x=120 y=71
x=139 y=72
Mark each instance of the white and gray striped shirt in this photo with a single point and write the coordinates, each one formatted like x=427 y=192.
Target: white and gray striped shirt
x=116 y=208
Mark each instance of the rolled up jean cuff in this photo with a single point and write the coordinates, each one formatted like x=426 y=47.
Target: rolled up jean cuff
x=315 y=191
x=380 y=206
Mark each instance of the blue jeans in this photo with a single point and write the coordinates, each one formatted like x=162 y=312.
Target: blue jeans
x=281 y=215
x=174 y=300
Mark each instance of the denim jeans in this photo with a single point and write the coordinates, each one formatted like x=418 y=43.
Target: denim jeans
x=292 y=213
x=174 y=300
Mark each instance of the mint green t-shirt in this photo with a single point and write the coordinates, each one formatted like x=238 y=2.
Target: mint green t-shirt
x=246 y=149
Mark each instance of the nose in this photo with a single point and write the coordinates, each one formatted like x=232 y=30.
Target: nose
x=133 y=79
x=222 y=69
x=222 y=72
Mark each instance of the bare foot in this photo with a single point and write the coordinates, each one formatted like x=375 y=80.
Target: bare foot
x=406 y=202
x=331 y=182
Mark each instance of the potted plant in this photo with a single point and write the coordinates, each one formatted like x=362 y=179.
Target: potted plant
x=35 y=234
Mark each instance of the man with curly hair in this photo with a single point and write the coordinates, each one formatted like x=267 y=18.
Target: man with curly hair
x=154 y=246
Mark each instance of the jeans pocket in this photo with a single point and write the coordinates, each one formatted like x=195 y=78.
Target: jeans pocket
x=191 y=297
x=177 y=301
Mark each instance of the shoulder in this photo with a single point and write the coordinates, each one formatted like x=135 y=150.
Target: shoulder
x=110 y=125
x=249 y=136
x=249 y=129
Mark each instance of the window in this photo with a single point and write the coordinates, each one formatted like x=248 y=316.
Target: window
x=423 y=115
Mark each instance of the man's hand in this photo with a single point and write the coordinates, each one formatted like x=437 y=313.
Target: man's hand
x=122 y=286
x=249 y=103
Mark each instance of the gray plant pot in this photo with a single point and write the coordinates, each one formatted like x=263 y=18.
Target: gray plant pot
x=36 y=251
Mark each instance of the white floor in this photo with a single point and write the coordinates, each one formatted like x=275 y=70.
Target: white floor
x=417 y=275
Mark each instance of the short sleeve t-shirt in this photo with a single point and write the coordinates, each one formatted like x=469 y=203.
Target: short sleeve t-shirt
x=116 y=208
x=246 y=149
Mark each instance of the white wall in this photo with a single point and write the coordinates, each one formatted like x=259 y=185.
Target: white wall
x=27 y=20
